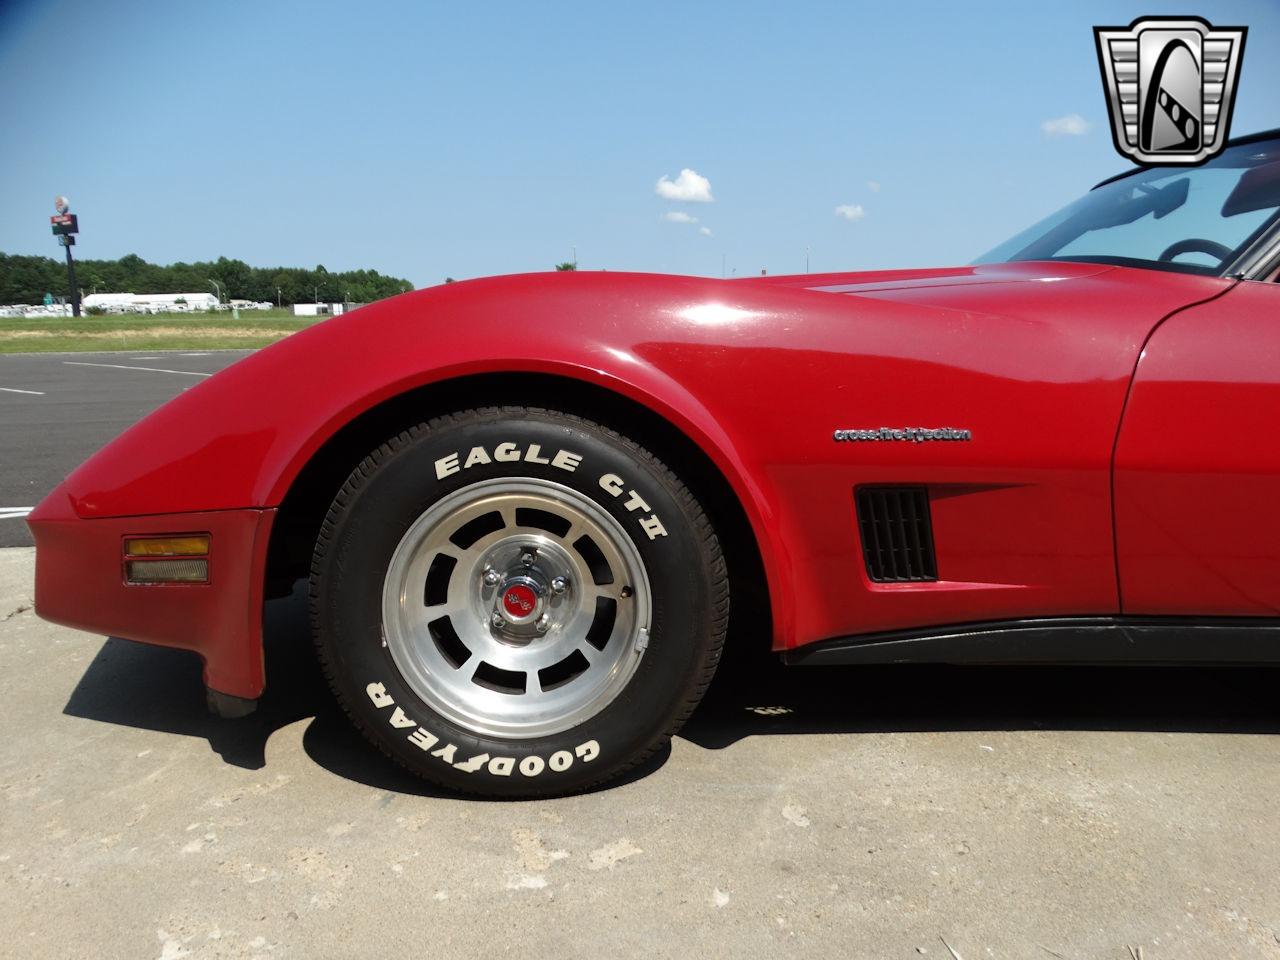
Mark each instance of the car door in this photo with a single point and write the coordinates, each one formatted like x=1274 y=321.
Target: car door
x=1197 y=465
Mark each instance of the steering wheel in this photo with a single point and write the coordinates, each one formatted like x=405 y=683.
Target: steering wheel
x=1196 y=245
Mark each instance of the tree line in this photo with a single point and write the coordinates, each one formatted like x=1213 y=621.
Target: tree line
x=26 y=279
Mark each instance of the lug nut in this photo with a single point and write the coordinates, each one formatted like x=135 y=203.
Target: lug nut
x=543 y=624
x=498 y=620
x=528 y=557
x=559 y=585
x=491 y=576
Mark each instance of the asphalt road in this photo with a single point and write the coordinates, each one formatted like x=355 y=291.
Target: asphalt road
x=859 y=814
x=58 y=408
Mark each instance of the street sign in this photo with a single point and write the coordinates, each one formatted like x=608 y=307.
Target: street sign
x=65 y=227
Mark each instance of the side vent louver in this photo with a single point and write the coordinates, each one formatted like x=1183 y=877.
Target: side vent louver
x=897 y=535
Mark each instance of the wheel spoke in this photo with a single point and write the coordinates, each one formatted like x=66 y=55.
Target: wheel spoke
x=468 y=557
x=454 y=611
x=508 y=514
x=619 y=591
x=468 y=669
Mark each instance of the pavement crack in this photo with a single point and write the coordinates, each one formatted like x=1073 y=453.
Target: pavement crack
x=13 y=613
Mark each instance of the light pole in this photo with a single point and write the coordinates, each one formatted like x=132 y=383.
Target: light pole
x=278 y=298
x=71 y=276
x=218 y=288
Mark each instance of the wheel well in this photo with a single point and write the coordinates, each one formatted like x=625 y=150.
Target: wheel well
x=303 y=508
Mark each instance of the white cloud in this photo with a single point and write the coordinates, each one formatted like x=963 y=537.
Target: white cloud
x=851 y=211
x=1072 y=125
x=690 y=186
x=705 y=231
x=678 y=216
x=873 y=186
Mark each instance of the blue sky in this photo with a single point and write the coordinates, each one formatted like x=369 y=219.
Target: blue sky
x=430 y=139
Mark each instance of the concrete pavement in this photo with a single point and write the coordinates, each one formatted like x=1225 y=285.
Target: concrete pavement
x=1014 y=813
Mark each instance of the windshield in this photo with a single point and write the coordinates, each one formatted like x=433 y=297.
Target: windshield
x=1194 y=220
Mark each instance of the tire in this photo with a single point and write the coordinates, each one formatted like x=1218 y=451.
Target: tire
x=516 y=602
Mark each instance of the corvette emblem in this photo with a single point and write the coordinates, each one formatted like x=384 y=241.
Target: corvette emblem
x=1170 y=85
x=519 y=600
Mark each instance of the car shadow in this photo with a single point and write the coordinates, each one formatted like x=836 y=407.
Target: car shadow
x=754 y=699
x=156 y=688
x=159 y=689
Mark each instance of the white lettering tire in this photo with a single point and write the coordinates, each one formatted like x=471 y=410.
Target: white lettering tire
x=517 y=602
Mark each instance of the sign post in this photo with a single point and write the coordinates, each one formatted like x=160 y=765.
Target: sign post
x=65 y=227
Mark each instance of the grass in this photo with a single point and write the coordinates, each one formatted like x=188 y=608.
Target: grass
x=176 y=331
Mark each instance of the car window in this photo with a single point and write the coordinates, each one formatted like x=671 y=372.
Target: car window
x=1195 y=220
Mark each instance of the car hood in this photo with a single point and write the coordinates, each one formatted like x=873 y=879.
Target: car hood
x=935 y=284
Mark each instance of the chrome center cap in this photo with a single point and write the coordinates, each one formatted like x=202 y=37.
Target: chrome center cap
x=521 y=600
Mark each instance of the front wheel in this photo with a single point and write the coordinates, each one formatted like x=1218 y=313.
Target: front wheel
x=517 y=602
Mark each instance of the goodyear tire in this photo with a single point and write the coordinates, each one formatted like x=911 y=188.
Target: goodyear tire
x=517 y=602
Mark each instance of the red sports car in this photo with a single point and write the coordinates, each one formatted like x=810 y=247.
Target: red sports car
x=530 y=508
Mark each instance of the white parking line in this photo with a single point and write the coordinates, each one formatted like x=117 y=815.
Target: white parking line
x=120 y=366
x=14 y=513
x=34 y=393
x=193 y=354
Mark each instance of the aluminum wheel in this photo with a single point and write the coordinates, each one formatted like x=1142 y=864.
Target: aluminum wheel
x=516 y=607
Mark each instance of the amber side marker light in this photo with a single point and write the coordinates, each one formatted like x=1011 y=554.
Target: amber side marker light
x=183 y=559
